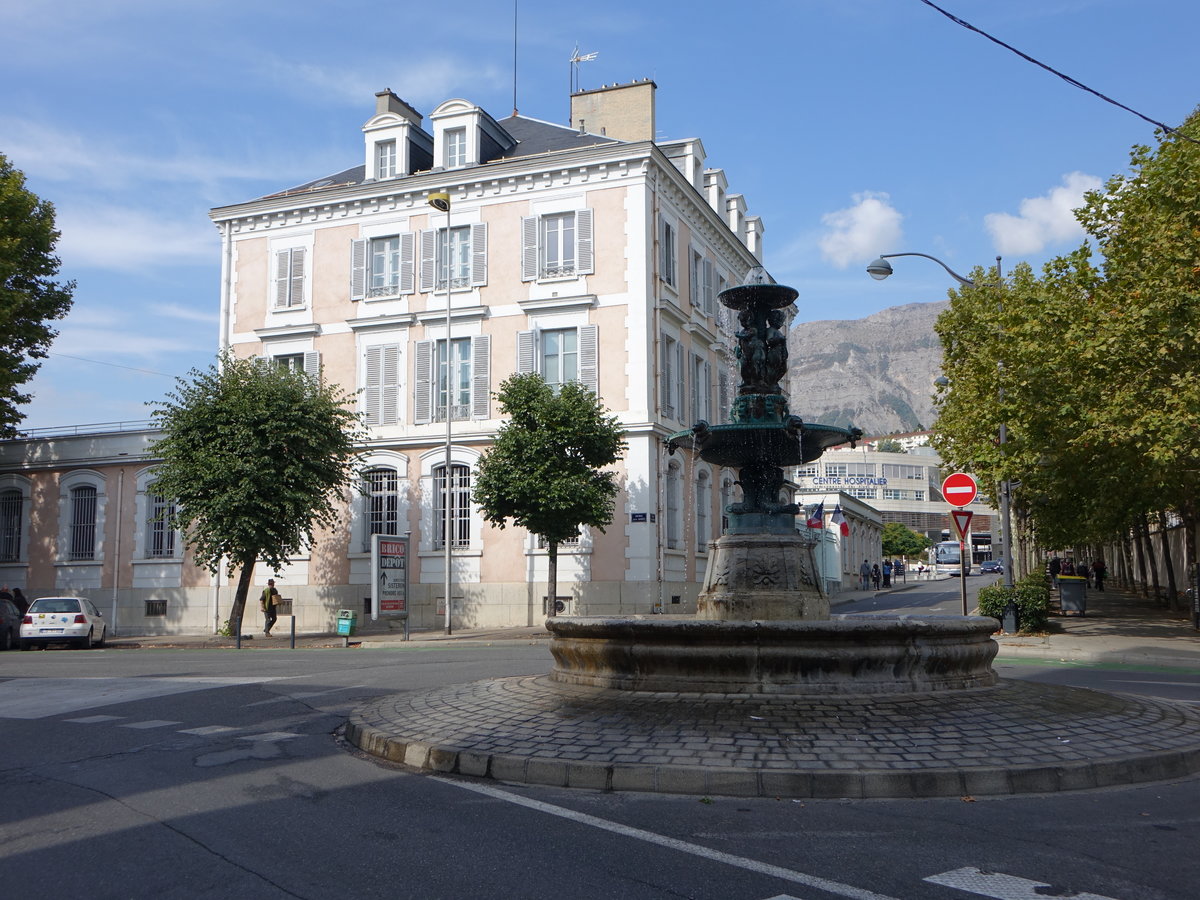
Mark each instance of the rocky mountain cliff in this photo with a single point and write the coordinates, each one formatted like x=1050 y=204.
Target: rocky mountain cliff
x=876 y=373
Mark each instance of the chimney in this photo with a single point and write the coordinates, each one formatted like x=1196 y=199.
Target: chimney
x=621 y=111
x=387 y=102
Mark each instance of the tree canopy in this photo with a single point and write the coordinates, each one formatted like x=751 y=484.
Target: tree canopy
x=29 y=295
x=255 y=455
x=1093 y=366
x=545 y=470
x=900 y=540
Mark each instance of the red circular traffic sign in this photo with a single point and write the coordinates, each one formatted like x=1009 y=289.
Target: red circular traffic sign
x=959 y=489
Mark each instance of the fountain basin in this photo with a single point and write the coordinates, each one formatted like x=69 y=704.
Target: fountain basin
x=840 y=655
x=737 y=444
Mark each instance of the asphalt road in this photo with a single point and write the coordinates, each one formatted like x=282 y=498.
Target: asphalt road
x=169 y=773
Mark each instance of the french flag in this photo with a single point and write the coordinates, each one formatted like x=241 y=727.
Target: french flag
x=840 y=521
x=817 y=519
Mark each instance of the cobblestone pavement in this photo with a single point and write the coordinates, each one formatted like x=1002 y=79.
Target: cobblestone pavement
x=1017 y=737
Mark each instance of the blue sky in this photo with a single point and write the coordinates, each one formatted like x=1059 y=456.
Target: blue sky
x=853 y=127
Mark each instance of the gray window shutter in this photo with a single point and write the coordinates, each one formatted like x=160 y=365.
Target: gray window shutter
x=428 y=260
x=312 y=363
x=372 y=389
x=695 y=407
x=681 y=374
x=358 y=269
x=527 y=360
x=389 y=389
x=707 y=412
x=584 y=258
x=408 y=242
x=479 y=254
x=529 y=248
x=708 y=287
x=589 y=353
x=283 y=264
x=723 y=394
x=481 y=350
x=297 y=277
x=668 y=350
x=423 y=380
x=694 y=278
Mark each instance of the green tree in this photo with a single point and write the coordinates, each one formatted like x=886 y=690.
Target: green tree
x=900 y=540
x=890 y=445
x=544 y=471
x=29 y=295
x=255 y=455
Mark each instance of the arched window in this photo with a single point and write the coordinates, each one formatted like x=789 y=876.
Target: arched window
x=703 y=501
x=381 y=487
x=460 y=506
x=160 y=535
x=674 y=508
x=82 y=522
x=11 y=509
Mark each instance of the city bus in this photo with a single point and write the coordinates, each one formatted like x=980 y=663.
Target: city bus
x=946 y=559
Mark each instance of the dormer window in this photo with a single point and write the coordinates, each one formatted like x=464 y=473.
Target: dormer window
x=456 y=147
x=385 y=159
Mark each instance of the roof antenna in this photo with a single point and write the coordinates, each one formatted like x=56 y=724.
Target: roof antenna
x=573 y=72
x=515 y=57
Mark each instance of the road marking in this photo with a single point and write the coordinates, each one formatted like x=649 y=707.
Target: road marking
x=1003 y=887
x=42 y=698
x=92 y=720
x=742 y=862
x=206 y=730
x=150 y=723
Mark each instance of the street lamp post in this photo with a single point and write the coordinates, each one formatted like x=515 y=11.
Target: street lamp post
x=881 y=269
x=440 y=200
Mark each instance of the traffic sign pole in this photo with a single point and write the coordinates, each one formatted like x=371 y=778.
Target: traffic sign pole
x=960 y=489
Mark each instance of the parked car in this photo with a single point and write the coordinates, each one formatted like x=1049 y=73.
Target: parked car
x=991 y=567
x=63 y=620
x=10 y=624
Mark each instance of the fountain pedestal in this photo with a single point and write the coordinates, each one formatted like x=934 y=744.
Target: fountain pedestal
x=761 y=576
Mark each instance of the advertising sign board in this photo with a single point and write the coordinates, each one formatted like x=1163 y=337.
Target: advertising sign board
x=389 y=575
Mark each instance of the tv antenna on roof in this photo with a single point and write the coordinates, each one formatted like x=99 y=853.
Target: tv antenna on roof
x=573 y=74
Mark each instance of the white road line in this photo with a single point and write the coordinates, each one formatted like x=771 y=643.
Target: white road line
x=1002 y=887
x=206 y=730
x=93 y=720
x=742 y=862
x=150 y=723
x=269 y=736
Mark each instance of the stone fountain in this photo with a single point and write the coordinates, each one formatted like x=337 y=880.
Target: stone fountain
x=763 y=622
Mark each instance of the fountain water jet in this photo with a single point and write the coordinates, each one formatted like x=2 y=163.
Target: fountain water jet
x=763 y=623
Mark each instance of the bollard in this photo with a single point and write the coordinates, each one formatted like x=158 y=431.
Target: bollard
x=1012 y=620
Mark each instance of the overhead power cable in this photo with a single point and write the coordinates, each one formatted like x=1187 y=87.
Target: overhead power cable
x=1067 y=78
x=101 y=362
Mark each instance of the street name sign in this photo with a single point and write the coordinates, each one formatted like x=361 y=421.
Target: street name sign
x=959 y=489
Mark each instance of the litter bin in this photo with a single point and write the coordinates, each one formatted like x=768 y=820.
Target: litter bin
x=1072 y=594
x=347 y=621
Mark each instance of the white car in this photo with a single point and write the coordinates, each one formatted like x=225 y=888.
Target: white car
x=59 y=620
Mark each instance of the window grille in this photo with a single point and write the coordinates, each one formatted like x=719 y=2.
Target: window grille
x=382 y=488
x=83 y=523
x=11 y=503
x=161 y=537
x=460 y=506
x=156 y=608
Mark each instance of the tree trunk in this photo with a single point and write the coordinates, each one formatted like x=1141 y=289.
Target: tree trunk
x=1127 y=579
x=245 y=576
x=1151 y=562
x=1172 y=591
x=552 y=578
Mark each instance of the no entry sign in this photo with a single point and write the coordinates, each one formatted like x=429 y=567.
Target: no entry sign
x=959 y=489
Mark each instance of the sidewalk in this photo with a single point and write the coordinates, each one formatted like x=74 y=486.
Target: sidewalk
x=1118 y=628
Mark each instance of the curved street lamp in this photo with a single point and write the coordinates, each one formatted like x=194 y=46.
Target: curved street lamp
x=440 y=200
x=880 y=269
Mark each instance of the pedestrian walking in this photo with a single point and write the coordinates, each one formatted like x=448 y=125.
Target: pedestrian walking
x=864 y=576
x=1054 y=567
x=875 y=575
x=269 y=601
x=20 y=601
x=1099 y=570
x=887 y=574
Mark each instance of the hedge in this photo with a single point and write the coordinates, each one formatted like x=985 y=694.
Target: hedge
x=1032 y=596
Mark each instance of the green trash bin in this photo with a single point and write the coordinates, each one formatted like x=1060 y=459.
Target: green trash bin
x=347 y=622
x=1072 y=594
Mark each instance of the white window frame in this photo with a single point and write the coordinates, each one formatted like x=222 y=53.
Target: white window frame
x=385 y=159
x=537 y=263
x=66 y=516
x=360 y=502
x=531 y=353
x=382 y=365
x=469 y=271
x=426 y=379
x=701 y=388
x=398 y=271
x=456 y=147
x=290 y=282
x=669 y=256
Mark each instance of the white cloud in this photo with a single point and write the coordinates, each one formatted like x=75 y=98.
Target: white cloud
x=862 y=231
x=1049 y=219
x=420 y=82
x=132 y=239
